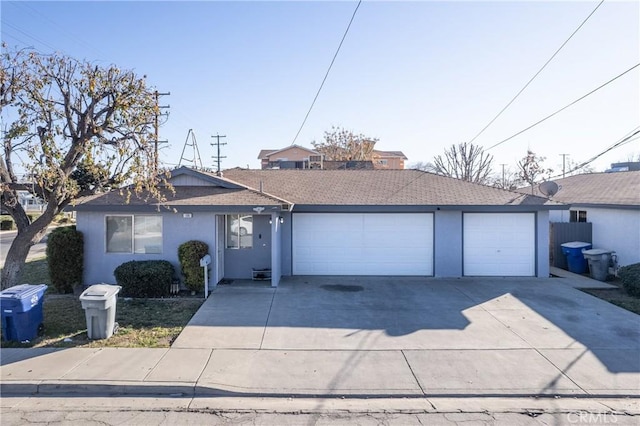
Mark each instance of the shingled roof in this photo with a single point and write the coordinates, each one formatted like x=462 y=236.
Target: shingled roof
x=612 y=189
x=184 y=196
x=377 y=187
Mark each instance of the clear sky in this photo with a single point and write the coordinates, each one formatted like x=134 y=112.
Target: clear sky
x=420 y=75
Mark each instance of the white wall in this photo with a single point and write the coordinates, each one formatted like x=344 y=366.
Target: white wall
x=613 y=229
x=618 y=230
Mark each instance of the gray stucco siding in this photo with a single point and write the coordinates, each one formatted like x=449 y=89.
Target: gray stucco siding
x=447 y=249
x=176 y=229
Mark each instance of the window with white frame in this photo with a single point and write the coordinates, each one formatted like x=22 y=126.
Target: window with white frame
x=239 y=231
x=134 y=234
x=577 y=216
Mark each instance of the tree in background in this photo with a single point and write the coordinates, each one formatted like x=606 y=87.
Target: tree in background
x=464 y=161
x=507 y=179
x=424 y=166
x=343 y=145
x=530 y=169
x=73 y=129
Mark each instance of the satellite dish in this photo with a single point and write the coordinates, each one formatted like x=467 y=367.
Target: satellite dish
x=549 y=188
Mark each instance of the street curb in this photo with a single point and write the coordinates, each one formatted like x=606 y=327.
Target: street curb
x=206 y=398
x=99 y=388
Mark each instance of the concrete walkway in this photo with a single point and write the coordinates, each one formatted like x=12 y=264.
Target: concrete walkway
x=363 y=344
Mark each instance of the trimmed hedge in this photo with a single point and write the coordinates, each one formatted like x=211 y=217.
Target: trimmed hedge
x=6 y=224
x=146 y=278
x=630 y=277
x=65 y=257
x=189 y=255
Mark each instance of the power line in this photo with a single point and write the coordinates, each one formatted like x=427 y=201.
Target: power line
x=630 y=136
x=565 y=107
x=536 y=74
x=327 y=73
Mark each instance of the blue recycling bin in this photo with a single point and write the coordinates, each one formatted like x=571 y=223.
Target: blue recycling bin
x=21 y=308
x=575 y=260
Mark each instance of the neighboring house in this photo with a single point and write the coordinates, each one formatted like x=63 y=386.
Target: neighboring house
x=324 y=222
x=611 y=202
x=271 y=158
x=30 y=203
x=298 y=157
x=629 y=166
x=389 y=159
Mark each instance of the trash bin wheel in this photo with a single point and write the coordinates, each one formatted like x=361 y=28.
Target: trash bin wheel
x=116 y=326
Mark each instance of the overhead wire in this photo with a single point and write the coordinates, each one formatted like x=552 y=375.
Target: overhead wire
x=563 y=108
x=629 y=137
x=537 y=73
x=327 y=73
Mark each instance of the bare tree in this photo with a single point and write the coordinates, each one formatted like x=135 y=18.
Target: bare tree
x=507 y=179
x=530 y=169
x=465 y=161
x=343 y=145
x=73 y=129
x=424 y=166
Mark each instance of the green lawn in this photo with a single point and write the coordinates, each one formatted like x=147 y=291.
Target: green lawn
x=142 y=322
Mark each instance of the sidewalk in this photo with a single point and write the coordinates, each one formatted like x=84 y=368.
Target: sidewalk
x=535 y=367
x=191 y=379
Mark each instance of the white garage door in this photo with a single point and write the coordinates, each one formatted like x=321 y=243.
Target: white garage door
x=362 y=244
x=499 y=244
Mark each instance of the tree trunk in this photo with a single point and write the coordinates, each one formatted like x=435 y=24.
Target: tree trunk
x=17 y=254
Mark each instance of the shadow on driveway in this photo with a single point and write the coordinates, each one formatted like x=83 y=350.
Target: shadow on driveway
x=416 y=313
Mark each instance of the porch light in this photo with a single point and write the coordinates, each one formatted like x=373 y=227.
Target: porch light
x=280 y=219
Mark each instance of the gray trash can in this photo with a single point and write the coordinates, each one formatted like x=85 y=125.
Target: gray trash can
x=598 y=260
x=99 y=304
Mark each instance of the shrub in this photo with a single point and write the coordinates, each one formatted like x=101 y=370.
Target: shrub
x=146 y=278
x=65 y=257
x=630 y=277
x=189 y=255
x=6 y=224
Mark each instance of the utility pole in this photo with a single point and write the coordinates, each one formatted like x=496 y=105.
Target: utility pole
x=157 y=126
x=563 y=163
x=218 y=157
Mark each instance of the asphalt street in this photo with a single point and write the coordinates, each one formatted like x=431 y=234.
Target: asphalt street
x=37 y=251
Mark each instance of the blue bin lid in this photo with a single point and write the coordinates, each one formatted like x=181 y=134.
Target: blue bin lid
x=22 y=291
x=576 y=244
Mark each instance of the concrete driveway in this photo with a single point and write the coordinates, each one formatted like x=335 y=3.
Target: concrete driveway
x=480 y=336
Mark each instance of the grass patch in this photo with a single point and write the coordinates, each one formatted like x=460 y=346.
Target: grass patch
x=35 y=272
x=143 y=323
x=618 y=296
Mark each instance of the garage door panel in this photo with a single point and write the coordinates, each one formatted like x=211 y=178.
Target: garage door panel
x=499 y=244
x=362 y=244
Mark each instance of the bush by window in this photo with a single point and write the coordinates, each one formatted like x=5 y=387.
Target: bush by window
x=134 y=234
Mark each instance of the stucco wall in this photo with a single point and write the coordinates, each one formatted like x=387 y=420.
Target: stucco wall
x=99 y=265
x=613 y=229
x=290 y=154
x=448 y=244
x=542 y=244
x=617 y=230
